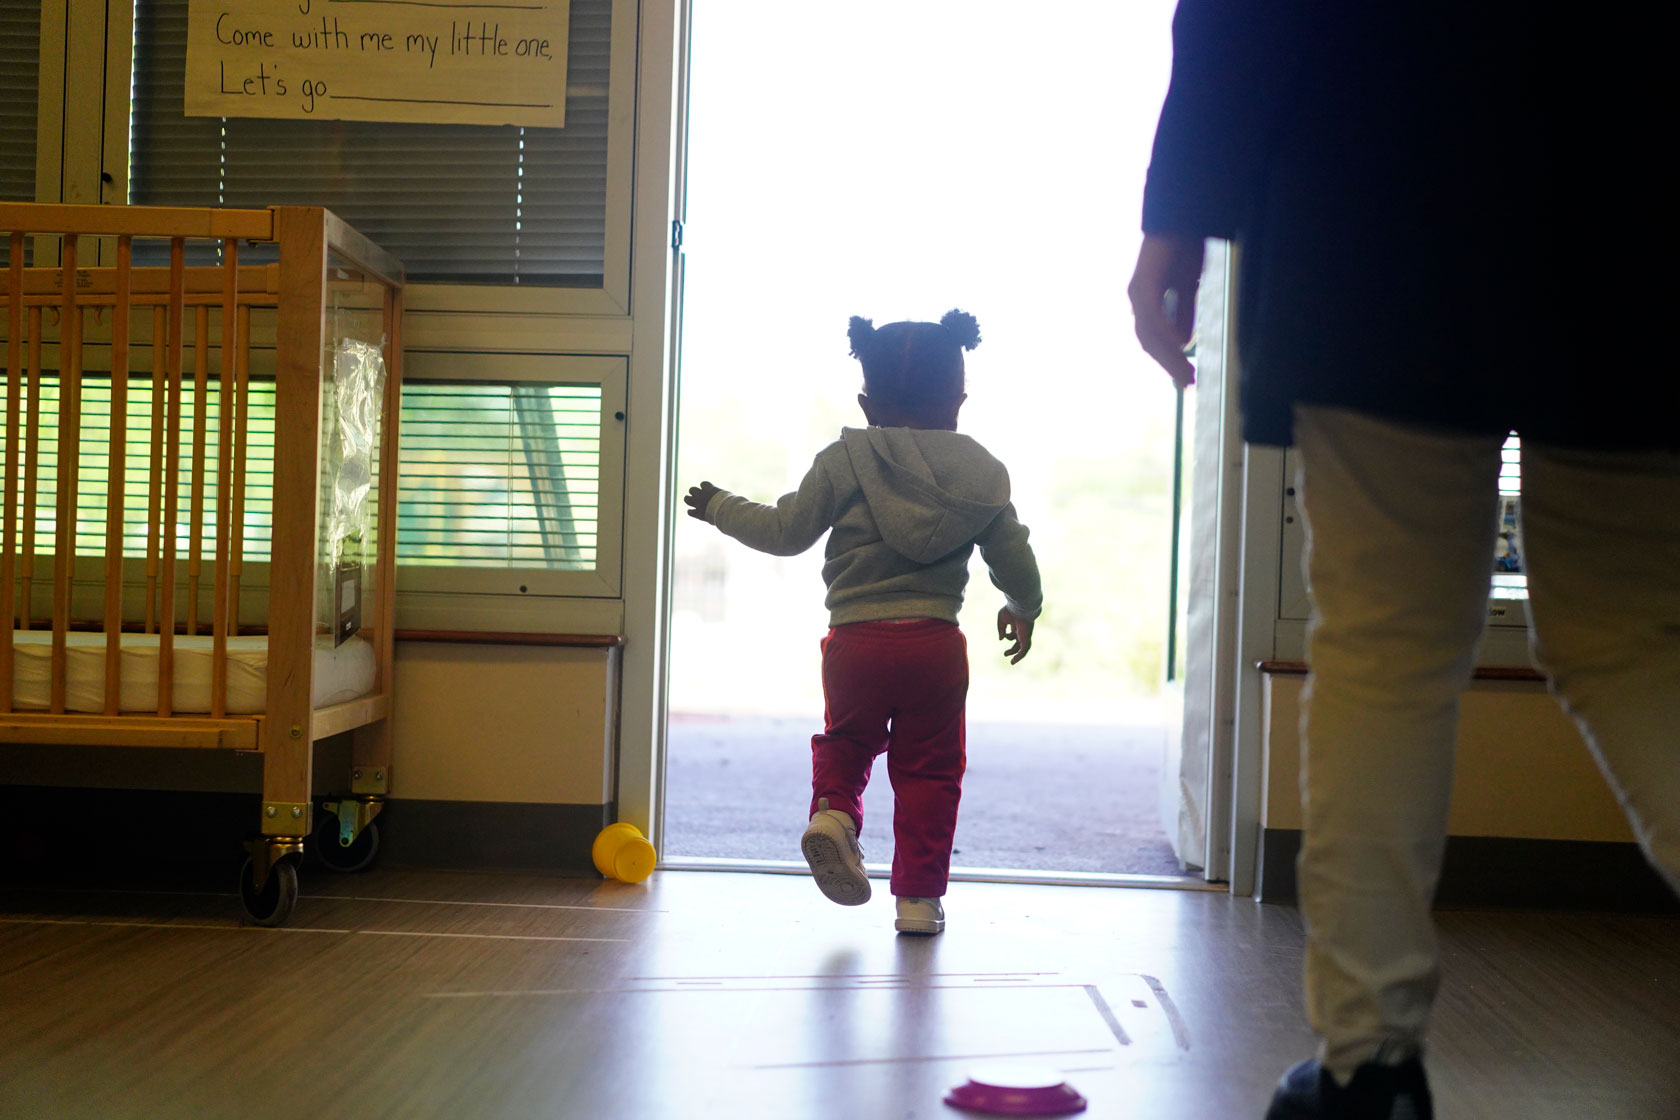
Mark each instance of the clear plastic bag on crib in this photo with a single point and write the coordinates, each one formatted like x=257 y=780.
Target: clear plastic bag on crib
x=358 y=390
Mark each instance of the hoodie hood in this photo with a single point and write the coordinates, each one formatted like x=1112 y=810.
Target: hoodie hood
x=930 y=491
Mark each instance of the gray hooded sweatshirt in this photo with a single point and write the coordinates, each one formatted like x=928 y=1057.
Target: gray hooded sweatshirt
x=907 y=506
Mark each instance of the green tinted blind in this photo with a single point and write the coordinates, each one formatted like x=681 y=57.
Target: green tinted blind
x=93 y=488
x=492 y=475
x=500 y=475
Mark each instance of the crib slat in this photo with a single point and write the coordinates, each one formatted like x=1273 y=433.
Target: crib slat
x=31 y=472
x=195 y=496
x=117 y=488
x=232 y=339
x=69 y=436
x=154 y=489
x=241 y=437
x=171 y=481
x=14 y=395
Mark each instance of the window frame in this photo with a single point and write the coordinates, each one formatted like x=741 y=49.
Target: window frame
x=458 y=596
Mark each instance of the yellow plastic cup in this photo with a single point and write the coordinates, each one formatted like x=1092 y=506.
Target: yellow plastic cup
x=621 y=852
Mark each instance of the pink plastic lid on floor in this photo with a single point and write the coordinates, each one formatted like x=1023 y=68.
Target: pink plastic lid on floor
x=1013 y=1089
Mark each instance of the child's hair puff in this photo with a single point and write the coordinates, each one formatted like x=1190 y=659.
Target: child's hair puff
x=964 y=328
x=914 y=365
x=860 y=331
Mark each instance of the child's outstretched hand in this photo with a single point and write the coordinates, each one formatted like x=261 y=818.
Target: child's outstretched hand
x=698 y=498
x=1012 y=627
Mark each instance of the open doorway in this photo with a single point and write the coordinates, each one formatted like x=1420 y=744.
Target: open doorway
x=893 y=162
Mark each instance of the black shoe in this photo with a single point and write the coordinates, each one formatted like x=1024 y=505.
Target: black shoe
x=1377 y=1092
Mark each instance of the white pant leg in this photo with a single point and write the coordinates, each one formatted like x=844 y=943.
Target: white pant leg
x=1400 y=529
x=1603 y=538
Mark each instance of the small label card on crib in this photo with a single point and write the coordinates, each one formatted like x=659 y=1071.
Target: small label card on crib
x=467 y=62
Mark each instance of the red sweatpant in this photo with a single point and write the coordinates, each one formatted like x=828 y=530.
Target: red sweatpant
x=897 y=687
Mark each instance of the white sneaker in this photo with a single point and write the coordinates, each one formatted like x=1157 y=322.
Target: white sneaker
x=831 y=848
x=920 y=915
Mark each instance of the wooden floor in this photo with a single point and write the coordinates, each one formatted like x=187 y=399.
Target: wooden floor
x=699 y=995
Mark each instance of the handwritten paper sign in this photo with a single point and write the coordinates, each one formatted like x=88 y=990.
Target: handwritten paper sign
x=468 y=62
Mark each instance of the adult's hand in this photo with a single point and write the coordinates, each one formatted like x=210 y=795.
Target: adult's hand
x=1163 y=295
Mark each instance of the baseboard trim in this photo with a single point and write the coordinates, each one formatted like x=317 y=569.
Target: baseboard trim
x=71 y=834
x=492 y=834
x=1508 y=872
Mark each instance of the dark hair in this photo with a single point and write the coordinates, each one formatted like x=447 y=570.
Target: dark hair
x=914 y=365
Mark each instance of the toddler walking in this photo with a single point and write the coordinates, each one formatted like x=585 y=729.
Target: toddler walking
x=908 y=499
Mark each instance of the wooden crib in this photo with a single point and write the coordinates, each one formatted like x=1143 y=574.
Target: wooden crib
x=173 y=448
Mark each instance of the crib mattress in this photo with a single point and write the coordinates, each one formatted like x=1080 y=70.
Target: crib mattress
x=340 y=674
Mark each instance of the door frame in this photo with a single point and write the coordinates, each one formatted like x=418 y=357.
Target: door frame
x=656 y=278
x=1249 y=542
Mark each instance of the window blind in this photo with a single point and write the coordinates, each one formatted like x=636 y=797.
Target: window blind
x=20 y=49
x=504 y=476
x=500 y=475
x=20 y=65
x=455 y=203
x=94 y=463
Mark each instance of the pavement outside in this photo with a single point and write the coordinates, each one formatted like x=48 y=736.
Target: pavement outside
x=1041 y=797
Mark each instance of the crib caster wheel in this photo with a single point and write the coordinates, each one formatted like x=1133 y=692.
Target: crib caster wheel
x=271 y=904
x=335 y=855
x=352 y=818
